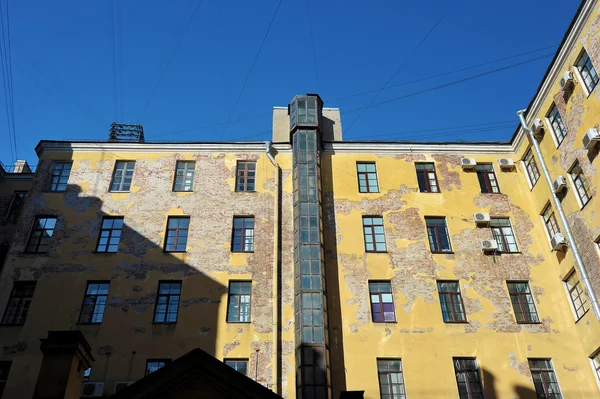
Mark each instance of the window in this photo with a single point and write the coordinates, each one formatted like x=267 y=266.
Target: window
x=522 y=302
x=580 y=183
x=367 y=177
x=154 y=364
x=487 y=178
x=557 y=124
x=532 y=170
x=177 y=233
x=439 y=239
x=391 y=379
x=577 y=295
x=18 y=303
x=596 y=363
x=110 y=234
x=544 y=379
x=453 y=309
x=41 y=233
x=427 y=178
x=587 y=71
x=468 y=378
x=238 y=308
x=184 y=176
x=374 y=235
x=4 y=370
x=245 y=176
x=503 y=233
x=59 y=176
x=550 y=221
x=239 y=365
x=167 y=302
x=94 y=302
x=86 y=374
x=382 y=301
x=243 y=234
x=16 y=204
x=307 y=111
x=122 y=176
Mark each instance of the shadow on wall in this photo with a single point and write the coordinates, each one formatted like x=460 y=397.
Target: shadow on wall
x=520 y=391
x=132 y=331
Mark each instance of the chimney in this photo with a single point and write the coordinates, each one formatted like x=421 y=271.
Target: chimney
x=21 y=166
x=67 y=355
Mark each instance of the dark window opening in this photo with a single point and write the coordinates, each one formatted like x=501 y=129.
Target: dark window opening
x=59 y=176
x=122 y=176
x=167 y=302
x=437 y=231
x=184 y=176
x=94 y=302
x=110 y=234
x=374 y=234
x=427 y=178
x=153 y=365
x=544 y=379
x=504 y=236
x=243 y=234
x=487 y=178
x=522 y=302
x=453 y=309
x=367 y=177
x=468 y=378
x=239 y=365
x=382 y=301
x=391 y=379
x=41 y=234
x=245 y=176
x=177 y=233
x=19 y=303
x=238 y=307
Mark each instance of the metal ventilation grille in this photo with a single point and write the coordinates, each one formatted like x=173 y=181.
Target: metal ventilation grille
x=486 y=244
x=479 y=216
x=503 y=161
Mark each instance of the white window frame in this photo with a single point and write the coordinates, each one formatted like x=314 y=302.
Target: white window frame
x=570 y=299
x=590 y=359
x=524 y=166
x=550 y=128
x=548 y=204
x=574 y=187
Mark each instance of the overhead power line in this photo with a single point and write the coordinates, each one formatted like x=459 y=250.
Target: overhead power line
x=312 y=41
x=439 y=21
x=447 y=73
x=168 y=58
x=479 y=75
x=250 y=71
x=7 y=80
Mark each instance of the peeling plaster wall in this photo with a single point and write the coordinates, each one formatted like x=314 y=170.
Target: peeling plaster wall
x=134 y=272
x=420 y=337
x=8 y=186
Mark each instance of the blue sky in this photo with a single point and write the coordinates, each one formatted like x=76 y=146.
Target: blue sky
x=63 y=71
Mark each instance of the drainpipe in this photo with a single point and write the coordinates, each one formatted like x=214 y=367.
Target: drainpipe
x=276 y=278
x=557 y=204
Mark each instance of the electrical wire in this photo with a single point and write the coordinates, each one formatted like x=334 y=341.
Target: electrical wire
x=7 y=80
x=439 y=21
x=251 y=69
x=114 y=58
x=169 y=57
x=312 y=41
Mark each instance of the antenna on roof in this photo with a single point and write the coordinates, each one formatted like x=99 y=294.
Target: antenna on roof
x=127 y=133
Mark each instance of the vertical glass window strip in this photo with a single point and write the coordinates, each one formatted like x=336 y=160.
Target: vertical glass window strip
x=427 y=178
x=239 y=365
x=19 y=303
x=550 y=221
x=4 y=371
x=238 y=308
x=41 y=233
x=382 y=301
x=243 y=234
x=245 y=176
x=596 y=363
x=557 y=124
x=532 y=169
x=577 y=294
x=468 y=378
x=110 y=234
x=59 y=176
x=487 y=178
x=587 y=71
x=374 y=234
x=503 y=234
x=522 y=302
x=453 y=309
x=580 y=183
x=16 y=204
x=544 y=379
x=94 y=302
x=307 y=111
x=437 y=231
x=314 y=372
x=122 y=176
x=167 y=302
x=184 y=176
x=177 y=234
x=312 y=318
x=391 y=379
x=367 y=177
x=153 y=365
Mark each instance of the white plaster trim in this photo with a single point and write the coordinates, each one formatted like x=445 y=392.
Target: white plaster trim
x=406 y=148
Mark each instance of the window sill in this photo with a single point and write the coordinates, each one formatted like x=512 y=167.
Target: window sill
x=104 y=253
x=456 y=322
x=157 y=323
x=174 y=252
x=430 y=192
x=368 y=192
x=508 y=253
x=53 y=191
x=498 y=193
x=376 y=252
x=88 y=324
x=238 y=322
x=385 y=322
x=529 y=322
x=183 y=191
x=442 y=252
x=584 y=205
x=245 y=192
x=119 y=192
x=582 y=316
x=242 y=252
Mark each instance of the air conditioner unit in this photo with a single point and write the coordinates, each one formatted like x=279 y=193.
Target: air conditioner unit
x=558 y=242
x=468 y=163
x=489 y=245
x=537 y=127
x=481 y=218
x=92 y=389
x=591 y=138
x=567 y=78
x=559 y=184
x=506 y=163
x=122 y=385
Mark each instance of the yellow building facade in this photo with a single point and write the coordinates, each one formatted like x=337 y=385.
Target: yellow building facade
x=321 y=267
